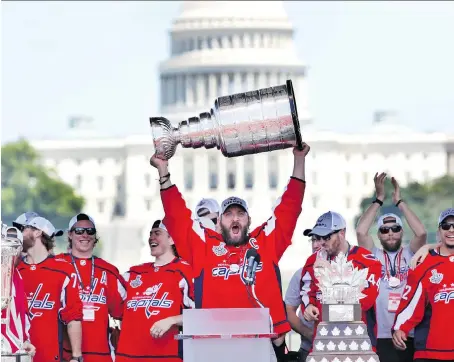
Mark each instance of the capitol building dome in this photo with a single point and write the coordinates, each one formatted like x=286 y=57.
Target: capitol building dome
x=220 y=48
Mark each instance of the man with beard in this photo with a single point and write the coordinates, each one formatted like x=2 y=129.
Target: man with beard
x=52 y=291
x=426 y=303
x=219 y=259
x=395 y=260
x=331 y=229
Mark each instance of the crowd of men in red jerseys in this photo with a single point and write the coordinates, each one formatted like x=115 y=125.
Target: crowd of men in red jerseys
x=63 y=304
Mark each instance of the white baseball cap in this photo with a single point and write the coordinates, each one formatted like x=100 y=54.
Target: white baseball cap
x=209 y=204
x=444 y=214
x=327 y=223
x=233 y=200
x=80 y=217
x=45 y=226
x=393 y=219
x=24 y=218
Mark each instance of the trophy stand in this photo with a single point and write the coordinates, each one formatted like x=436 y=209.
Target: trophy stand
x=341 y=336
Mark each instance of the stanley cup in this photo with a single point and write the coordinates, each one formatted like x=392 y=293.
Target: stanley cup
x=245 y=123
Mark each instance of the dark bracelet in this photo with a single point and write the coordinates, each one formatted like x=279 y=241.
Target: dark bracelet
x=378 y=202
x=398 y=202
x=168 y=175
x=164 y=181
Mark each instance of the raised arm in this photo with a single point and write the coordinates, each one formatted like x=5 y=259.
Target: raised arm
x=186 y=233
x=420 y=233
x=368 y=218
x=281 y=225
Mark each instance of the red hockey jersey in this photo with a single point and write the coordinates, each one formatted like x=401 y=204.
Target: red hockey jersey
x=16 y=332
x=361 y=258
x=53 y=298
x=104 y=297
x=154 y=293
x=220 y=269
x=426 y=306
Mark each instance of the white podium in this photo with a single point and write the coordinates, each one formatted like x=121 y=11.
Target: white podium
x=226 y=335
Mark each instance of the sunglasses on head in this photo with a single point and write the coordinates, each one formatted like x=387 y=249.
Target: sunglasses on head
x=80 y=231
x=324 y=238
x=447 y=225
x=394 y=229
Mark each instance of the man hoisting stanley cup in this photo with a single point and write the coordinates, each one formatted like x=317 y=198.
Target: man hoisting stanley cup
x=245 y=123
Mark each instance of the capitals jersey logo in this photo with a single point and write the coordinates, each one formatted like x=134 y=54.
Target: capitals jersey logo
x=225 y=271
x=92 y=297
x=35 y=304
x=150 y=302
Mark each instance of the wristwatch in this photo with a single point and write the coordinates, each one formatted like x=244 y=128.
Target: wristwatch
x=78 y=359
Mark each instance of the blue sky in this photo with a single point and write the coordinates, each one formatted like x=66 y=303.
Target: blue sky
x=100 y=59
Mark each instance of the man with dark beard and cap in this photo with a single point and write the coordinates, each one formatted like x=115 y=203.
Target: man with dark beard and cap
x=219 y=259
x=395 y=259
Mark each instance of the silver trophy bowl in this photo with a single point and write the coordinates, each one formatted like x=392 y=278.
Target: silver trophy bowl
x=263 y=120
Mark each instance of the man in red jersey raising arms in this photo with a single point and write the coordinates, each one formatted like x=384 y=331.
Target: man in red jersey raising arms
x=156 y=295
x=427 y=304
x=219 y=259
x=331 y=228
x=101 y=289
x=52 y=291
x=15 y=333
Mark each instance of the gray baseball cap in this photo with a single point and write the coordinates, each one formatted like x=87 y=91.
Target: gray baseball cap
x=444 y=214
x=328 y=223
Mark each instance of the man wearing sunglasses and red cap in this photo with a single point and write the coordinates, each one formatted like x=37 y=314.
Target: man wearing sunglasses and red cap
x=395 y=259
x=101 y=289
x=427 y=301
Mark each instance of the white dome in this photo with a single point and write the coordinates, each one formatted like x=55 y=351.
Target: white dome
x=228 y=9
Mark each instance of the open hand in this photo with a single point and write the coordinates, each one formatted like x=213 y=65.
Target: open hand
x=379 y=181
x=396 y=192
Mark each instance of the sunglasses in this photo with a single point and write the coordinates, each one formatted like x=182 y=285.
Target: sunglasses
x=324 y=238
x=447 y=225
x=394 y=229
x=80 y=231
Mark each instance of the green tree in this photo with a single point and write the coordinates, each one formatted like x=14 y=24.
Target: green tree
x=29 y=186
x=426 y=200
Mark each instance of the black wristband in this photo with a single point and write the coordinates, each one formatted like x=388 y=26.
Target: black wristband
x=398 y=202
x=168 y=175
x=378 y=202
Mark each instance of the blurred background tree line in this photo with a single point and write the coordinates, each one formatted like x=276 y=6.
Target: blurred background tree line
x=29 y=186
x=426 y=200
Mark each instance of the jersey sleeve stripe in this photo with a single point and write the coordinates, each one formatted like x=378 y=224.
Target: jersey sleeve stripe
x=198 y=229
x=406 y=313
x=63 y=297
x=305 y=288
x=184 y=286
x=271 y=223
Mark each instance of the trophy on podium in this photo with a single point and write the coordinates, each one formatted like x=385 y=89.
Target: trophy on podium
x=262 y=120
x=341 y=335
x=11 y=246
